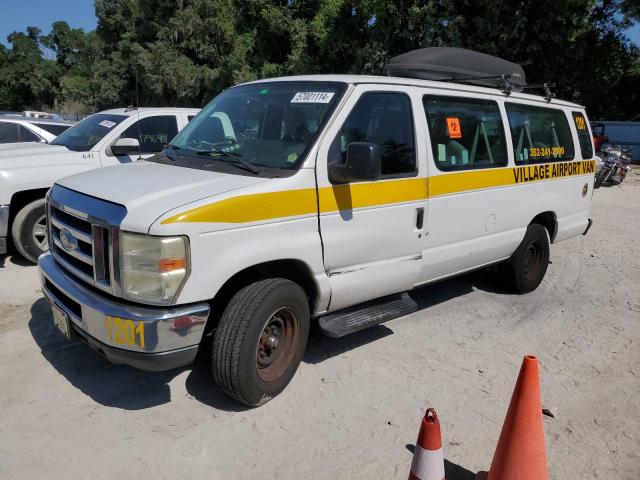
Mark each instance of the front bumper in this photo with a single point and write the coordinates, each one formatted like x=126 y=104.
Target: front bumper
x=4 y=228
x=171 y=335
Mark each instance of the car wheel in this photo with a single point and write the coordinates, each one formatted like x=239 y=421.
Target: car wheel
x=29 y=230
x=260 y=340
x=528 y=265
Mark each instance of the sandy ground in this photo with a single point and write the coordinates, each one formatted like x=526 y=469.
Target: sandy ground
x=354 y=407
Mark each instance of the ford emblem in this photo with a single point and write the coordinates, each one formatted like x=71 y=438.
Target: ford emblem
x=68 y=241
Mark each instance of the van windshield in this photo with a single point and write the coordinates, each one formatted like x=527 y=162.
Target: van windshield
x=269 y=125
x=83 y=136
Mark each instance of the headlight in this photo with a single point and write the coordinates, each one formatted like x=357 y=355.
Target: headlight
x=152 y=268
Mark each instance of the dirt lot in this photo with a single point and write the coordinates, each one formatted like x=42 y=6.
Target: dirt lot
x=354 y=407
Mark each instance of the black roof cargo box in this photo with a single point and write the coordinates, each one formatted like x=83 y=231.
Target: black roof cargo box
x=457 y=65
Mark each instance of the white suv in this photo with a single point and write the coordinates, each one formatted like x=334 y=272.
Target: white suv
x=111 y=137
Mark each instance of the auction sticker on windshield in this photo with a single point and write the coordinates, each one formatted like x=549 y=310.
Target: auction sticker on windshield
x=107 y=123
x=312 y=97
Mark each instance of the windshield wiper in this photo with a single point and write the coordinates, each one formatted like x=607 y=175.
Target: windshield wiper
x=238 y=161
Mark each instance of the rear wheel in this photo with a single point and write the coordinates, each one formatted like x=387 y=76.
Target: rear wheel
x=29 y=230
x=260 y=340
x=528 y=265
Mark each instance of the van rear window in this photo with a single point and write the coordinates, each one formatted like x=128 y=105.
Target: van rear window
x=465 y=133
x=539 y=134
x=584 y=137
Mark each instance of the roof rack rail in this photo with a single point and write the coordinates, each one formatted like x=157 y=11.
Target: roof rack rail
x=548 y=94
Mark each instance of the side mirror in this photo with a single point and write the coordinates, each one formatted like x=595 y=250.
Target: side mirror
x=364 y=162
x=125 y=146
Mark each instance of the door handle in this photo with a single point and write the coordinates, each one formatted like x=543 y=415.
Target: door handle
x=419 y=218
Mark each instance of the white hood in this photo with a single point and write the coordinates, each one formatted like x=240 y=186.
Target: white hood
x=32 y=155
x=149 y=190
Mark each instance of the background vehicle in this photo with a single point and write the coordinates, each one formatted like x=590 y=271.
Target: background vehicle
x=599 y=136
x=18 y=129
x=615 y=165
x=43 y=115
x=111 y=137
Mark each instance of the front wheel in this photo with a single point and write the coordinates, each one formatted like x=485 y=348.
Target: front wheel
x=29 y=231
x=528 y=264
x=600 y=177
x=260 y=340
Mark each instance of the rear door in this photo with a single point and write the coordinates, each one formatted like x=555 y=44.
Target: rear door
x=470 y=215
x=372 y=231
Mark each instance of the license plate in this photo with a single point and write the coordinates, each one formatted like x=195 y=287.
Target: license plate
x=61 y=321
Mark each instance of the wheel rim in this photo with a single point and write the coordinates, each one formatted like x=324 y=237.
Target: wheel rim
x=277 y=344
x=533 y=260
x=39 y=233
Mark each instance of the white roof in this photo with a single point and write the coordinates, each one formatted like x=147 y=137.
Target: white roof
x=372 y=79
x=129 y=112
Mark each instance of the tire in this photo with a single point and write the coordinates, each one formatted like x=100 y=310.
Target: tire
x=260 y=340
x=29 y=232
x=600 y=178
x=527 y=266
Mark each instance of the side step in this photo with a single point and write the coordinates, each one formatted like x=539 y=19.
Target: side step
x=368 y=314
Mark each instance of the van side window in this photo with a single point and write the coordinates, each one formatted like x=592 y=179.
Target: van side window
x=539 y=134
x=385 y=119
x=153 y=132
x=584 y=137
x=465 y=133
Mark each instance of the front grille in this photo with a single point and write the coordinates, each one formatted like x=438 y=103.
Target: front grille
x=83 y=234
x=73 y=306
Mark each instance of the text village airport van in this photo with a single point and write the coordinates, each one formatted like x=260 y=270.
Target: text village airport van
x=314 y=198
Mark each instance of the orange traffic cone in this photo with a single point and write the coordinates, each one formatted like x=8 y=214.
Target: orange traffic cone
x=428 y=462
x=520 y=453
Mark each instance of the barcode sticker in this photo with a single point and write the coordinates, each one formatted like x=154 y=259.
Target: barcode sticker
x=312 y=97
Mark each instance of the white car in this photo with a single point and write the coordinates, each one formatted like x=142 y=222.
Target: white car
x=111 y=137
x=19 y=129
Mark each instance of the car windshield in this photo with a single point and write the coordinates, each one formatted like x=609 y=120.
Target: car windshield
x=83 y=136
x=270 y=125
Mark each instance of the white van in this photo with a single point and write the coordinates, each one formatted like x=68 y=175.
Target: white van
x=314 y=198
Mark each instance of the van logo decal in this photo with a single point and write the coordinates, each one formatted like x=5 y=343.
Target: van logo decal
x=68 y=241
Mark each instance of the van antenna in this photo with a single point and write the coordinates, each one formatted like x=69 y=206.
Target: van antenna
x=138 y=114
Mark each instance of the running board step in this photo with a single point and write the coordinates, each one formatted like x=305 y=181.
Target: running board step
x=365 y=315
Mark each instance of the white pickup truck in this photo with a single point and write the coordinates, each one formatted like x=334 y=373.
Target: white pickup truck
x=107 y=138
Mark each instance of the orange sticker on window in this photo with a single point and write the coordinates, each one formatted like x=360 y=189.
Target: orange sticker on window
x=453 y=125
x=580 y=123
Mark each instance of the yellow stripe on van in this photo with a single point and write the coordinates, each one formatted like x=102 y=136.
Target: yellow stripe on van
x=290 y=203
x=362 y=195
x=252 y=208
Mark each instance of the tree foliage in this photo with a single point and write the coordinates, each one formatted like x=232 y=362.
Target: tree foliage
x=183 y=52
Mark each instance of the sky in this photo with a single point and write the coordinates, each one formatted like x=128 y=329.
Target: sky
x=18 y=14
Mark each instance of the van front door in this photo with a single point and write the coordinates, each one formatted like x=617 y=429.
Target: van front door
x=372 y=231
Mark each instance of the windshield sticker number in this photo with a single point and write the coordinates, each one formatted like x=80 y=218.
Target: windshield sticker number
x=107 y=123
x=580 y=123
x=312 y=97
x=453 y=125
